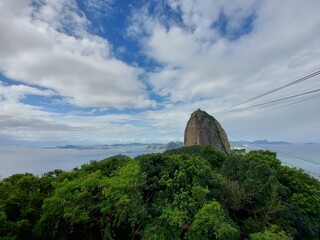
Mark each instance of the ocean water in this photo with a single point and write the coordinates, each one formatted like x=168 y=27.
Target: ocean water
x=300 y=156
x=38 y=161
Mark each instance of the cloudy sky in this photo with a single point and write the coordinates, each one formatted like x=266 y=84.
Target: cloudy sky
x=107 y=71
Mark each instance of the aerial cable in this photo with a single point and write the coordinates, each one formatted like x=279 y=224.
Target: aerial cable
x=273 y=101
x=268 y=110
x=301 y=79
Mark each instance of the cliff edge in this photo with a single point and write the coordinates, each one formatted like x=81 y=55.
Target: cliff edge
x=203 y=129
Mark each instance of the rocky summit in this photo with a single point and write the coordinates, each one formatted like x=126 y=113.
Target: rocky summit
x=203 y=129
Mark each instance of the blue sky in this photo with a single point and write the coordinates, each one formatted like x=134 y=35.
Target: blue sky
x=106 y=71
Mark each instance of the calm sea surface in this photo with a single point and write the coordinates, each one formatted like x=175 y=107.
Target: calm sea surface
x=38 y=161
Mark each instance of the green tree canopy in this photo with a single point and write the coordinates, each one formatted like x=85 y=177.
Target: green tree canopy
x=239 y=196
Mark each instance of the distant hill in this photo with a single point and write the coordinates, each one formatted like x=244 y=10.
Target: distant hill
x=170 y=145
x=267 y=142
x=173 y=145
x=259 y=142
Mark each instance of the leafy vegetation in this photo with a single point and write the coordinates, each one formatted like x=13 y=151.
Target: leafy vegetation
x=240 y=196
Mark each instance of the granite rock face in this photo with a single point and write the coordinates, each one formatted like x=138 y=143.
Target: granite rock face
x=203 y=129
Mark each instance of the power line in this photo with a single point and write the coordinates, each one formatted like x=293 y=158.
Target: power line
x=273 y=101
x=301 y=79
x=292 y=103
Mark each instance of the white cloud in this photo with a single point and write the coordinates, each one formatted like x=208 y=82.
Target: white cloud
x=14 y=93
x=26 y=123
x=100 y=7
x=49 y=47
x=199 y=15
x=201 y=68
x=164 y=46
x=205 y=69
x=21 y=122
x=61 y=15
x=197 y=66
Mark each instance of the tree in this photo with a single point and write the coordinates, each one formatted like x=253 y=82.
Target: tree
x=251 y=196
x=21 y=198
x=274 y=233
x=303 y=203
x=124 y=207
x=253 y=192
x=212 y=222
x=177 y=187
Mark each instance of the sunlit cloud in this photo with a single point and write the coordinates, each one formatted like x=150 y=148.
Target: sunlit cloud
x=104 y=71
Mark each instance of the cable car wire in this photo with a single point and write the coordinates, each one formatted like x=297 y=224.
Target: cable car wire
x=273 y=101
x=289 y=84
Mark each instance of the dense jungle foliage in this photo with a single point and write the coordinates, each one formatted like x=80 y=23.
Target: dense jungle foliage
x=155 y=196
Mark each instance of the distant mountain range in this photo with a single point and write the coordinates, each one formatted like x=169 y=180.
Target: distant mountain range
x=165 y=146
x=259 y=142
x=106 y=146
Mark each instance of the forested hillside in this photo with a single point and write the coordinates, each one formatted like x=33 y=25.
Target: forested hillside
x=195 y=192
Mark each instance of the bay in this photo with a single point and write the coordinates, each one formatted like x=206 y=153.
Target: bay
x=39 y=161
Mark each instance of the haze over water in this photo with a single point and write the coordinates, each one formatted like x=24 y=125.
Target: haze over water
x=39 y=161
